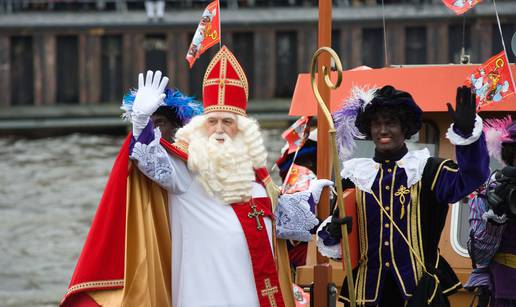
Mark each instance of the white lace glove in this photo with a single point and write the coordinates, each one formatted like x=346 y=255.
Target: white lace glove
x=316 y=187
x=149 y=98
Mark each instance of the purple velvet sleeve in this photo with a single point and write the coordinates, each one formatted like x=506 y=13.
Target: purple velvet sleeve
x=145 y=137
x=453 y=184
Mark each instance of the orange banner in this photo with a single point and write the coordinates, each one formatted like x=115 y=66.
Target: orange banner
x=492 y=81
x=207 y=33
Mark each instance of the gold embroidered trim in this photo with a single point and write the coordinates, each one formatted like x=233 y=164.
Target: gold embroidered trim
x=453 y=170
x=225 y=108
x=240 y=73
x=456 y=286
x=181 y=145
x=222 y=79
x=236 y=83
x=224 y=53
x=211 y=82
x=412 y=233
x=232 y=82
x=96 y=284
x=391 y=214
x=267 y=180
x=402 y=191
x=437 y=173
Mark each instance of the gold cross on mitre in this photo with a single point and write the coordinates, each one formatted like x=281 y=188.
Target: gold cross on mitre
x=224 y=80
x=269 y=292
x=256 y=214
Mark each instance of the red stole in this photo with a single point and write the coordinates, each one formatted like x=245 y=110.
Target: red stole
x=251 y=216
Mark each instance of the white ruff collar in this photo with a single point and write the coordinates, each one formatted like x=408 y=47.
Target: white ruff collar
x=362 y=171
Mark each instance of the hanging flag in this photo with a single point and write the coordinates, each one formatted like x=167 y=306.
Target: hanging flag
x=207 y=33
x=460 y=6
x=492 y=81
x=296 y=134
x=298 y=179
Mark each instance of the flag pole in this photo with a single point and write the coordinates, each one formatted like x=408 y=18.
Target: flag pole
x=305 y=136
x=220 y=24
x=503 y=44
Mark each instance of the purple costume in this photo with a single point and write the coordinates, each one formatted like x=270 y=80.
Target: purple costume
x=420 y=210
x=411 y=188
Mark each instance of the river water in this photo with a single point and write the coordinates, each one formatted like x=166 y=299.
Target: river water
x=49 y=191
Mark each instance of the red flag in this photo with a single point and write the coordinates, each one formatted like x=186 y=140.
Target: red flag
x=298 y=179
x=296 y=134
x=460 y=6
x=492 y=81
x=207 y=33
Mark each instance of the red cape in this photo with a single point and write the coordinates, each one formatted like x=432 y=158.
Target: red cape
x=101 y=263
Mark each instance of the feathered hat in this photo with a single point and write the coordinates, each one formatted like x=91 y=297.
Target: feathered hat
x=352 y=121
x=499 y=132
x=224 y=87
x=184 y=107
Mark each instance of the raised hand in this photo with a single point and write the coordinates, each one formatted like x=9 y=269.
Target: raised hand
x=465 y=110
x=150 y=94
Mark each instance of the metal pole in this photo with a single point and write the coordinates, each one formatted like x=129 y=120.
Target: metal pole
x=325 y=113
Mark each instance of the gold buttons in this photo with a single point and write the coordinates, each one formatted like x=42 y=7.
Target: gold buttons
x=387 y=264
x=387 y=187
x=389 y=170
x=386 y=243
x=386 y=225
x=387 y=208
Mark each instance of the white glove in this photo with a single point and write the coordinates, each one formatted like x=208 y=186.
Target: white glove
x=316 y=187
x=149 y=98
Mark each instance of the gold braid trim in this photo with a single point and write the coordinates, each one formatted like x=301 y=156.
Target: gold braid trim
x=225 y=108
x=95 y=284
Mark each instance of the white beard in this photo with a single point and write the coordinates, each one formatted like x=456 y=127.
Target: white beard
x=225 y=170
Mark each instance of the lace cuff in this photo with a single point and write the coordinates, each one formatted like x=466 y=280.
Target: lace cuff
x=294 y=220
x=154 y=161
x=332 y=251
x=459 y=140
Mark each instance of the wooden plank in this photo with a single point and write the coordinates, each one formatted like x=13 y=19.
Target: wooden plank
x=396 y=44
x=93 y=68
x=264 y=74
x=482 y=45
x=437 y=35
x=356 y=46
x=133 y=58
x=181 y=66
x=38 y=62
x=307 y=44
x=89 y=69
x=49 y=75
x=5 y=69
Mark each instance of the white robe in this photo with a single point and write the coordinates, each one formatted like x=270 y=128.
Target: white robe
x=211 y=264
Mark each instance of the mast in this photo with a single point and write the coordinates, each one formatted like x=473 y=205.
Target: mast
x=323 y=270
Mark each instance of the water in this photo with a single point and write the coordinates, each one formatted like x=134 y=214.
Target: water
x=49 y=191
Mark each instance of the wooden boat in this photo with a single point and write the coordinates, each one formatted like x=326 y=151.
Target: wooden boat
x=432 y=86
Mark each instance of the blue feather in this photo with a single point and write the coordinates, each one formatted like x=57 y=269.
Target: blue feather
x=186 y=107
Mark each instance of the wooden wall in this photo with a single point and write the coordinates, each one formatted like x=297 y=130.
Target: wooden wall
x=266 y=66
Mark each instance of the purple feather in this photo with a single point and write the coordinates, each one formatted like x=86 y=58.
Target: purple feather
x=345 y=120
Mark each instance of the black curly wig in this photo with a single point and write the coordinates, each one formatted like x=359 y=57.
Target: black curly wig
x=391 y=103
x=170 y=114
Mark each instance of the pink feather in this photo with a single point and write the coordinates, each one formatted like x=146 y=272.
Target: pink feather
x=496 y=132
